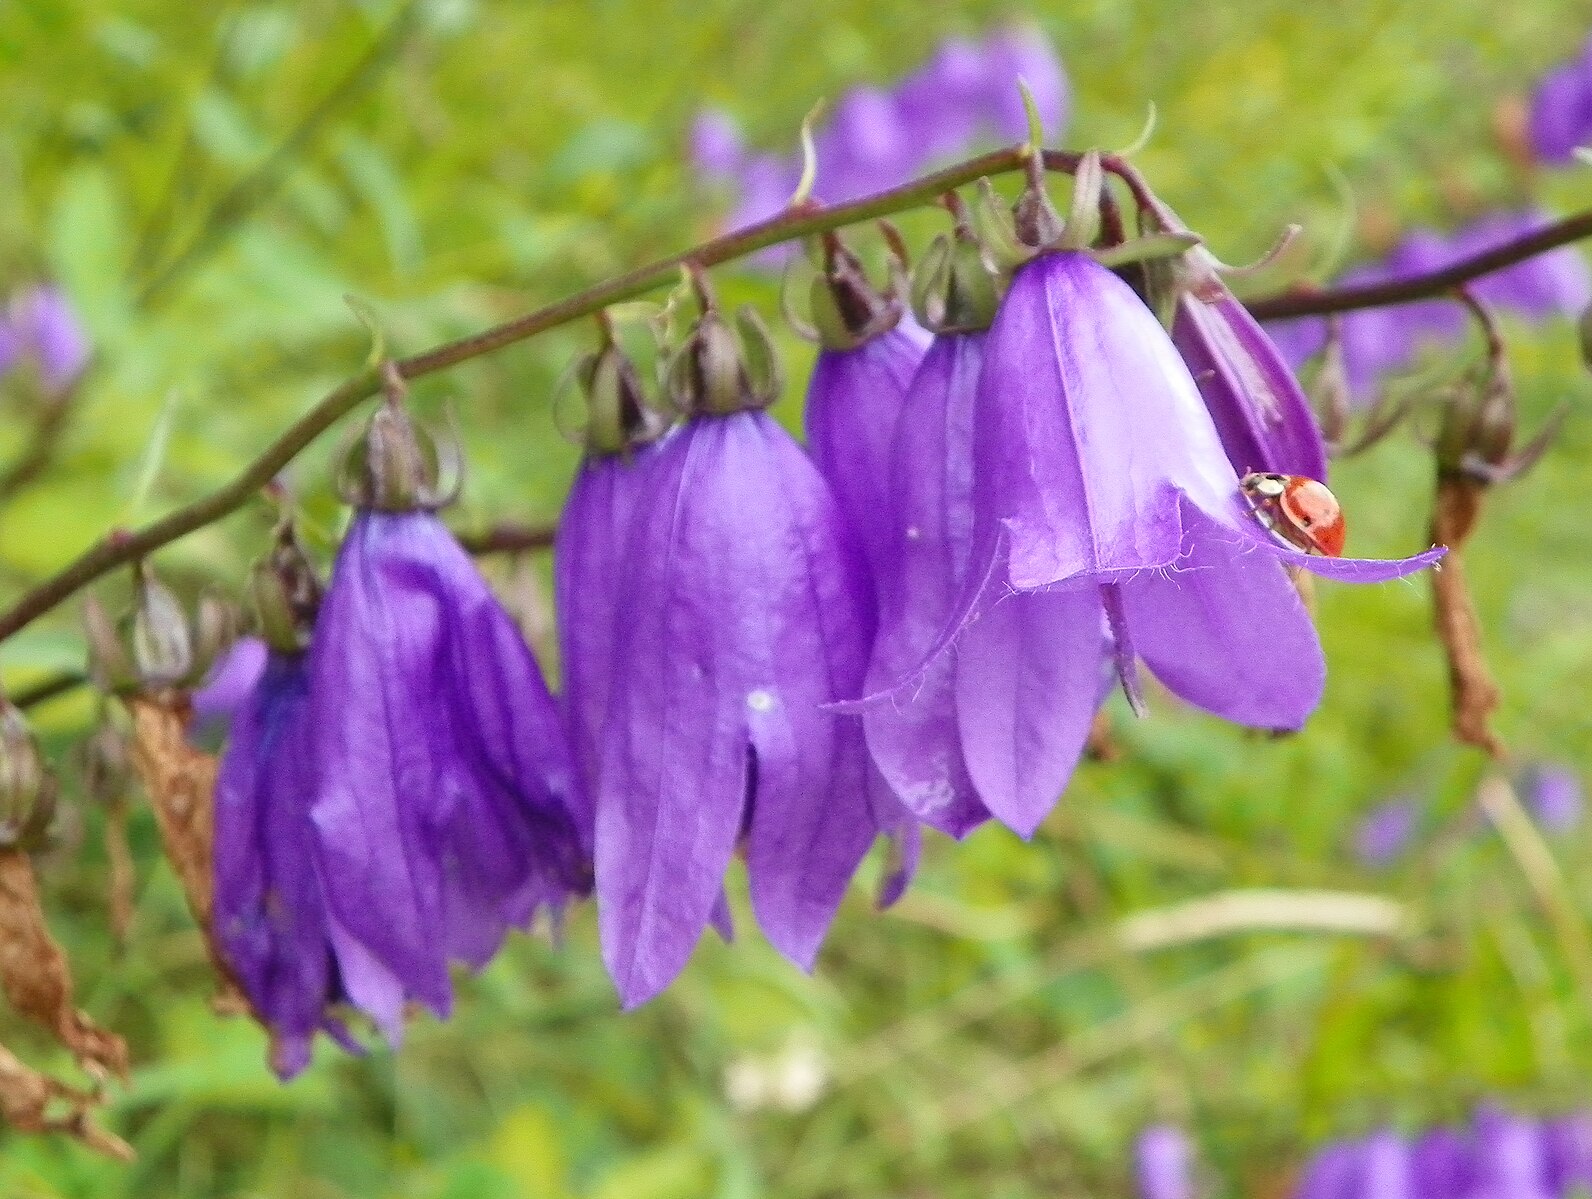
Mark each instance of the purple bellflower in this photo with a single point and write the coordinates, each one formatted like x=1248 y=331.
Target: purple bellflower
x=1385 y=1168
x=1567 y=1153
x=1163 y=1163
x=871 y=349
x=1260 y=412
x=1561 y=110
x=745 y=613
x=270 y=915
x=1330 y=1173
x=916 y=741
x=445 y=812
x=1109 y=527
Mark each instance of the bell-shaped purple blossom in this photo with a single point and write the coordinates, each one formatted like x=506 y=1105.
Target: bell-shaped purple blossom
x=1260 y=411
x=1330 y=1173
x=916 y=740
x=1561 y=110
x=1556 y=283
x=716 y=148
x=271 y=918
x=744 y=613
x=1163 y=1163
x=1104 y=503
x=445 y=809
x=943 y=102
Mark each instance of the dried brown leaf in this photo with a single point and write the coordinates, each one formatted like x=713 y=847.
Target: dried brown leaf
x=1474 y=696
x=35 y=1103
x=181 y=783
x=36 y=978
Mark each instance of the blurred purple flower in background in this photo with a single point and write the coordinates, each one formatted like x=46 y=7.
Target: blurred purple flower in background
x=40 y=326
x=1561 y=110
x=1163 y=1163
x=964 y=98
x=1385 y=832
x=1380 y=341
x=1501 y=1156
x=1554 y=795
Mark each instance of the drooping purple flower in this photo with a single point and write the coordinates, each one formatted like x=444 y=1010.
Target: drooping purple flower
x=1385 y=832
x=1103 y=500
x=48 y=330
x=445 y=807
x=854 y=401
x=1163 y=1161
x=588 y=569
x=745 y=611
x=1554 y=795
x=225 y=689
x=917 y=743
x=270 y=915
x=1510 y=1162
x=1561 y=110
x=1260 y=411
x=865 y=146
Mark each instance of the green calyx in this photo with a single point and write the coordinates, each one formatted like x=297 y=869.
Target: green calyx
x=721 y=369
x=955 y=288
x=397 y=466
x=286 y=592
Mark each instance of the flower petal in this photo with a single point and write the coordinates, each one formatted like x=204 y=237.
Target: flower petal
x=1226 y=630
x=1087 y=419
x=1029 y=680
x=913 y=737
x=854 y=401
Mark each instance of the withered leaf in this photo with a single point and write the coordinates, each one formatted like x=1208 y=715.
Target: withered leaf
x=35 y=1103
x=35 y=975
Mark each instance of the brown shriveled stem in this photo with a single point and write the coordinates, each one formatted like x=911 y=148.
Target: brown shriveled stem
x=122 y=546
x=1473 y=693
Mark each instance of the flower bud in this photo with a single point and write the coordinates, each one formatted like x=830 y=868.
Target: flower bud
x=154 y=646
x=847 y=309
x=718 y=370
x=105 y=764
x=397 y=466
x=954 y=289
x=162 y=643
x=286 y=592
x=1478 y=425
x=27 y=787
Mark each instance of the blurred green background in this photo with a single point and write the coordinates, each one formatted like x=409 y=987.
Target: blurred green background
x=208 y=182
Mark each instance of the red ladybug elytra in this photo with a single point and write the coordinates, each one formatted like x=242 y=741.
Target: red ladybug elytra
x=1297 y=510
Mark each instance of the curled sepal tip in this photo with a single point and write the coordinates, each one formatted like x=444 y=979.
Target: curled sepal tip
x=395 y=465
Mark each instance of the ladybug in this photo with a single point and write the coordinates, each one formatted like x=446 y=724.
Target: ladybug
x=1297 y=510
